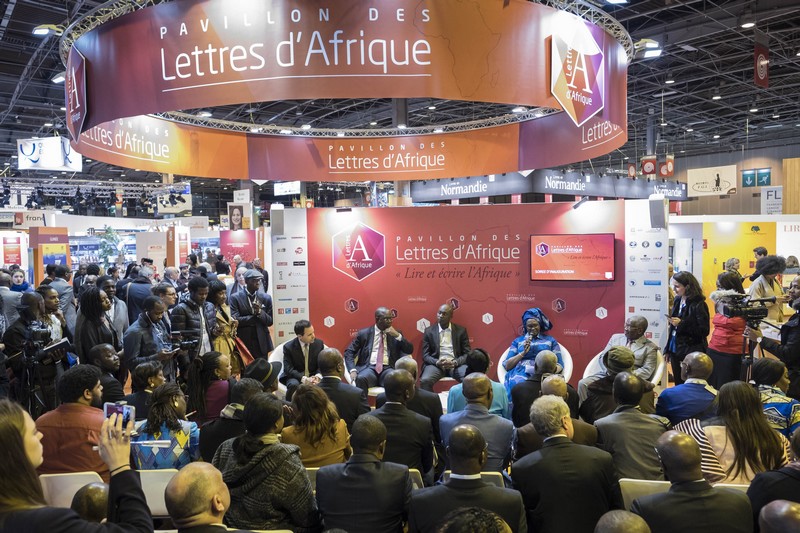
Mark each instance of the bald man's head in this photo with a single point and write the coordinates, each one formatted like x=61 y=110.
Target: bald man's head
x=477 y=388
x=680 y=456
x=779 y=516
x=328 y=361
x=399 y=386
x=554 y=385
x=546 y=362
x=465 y=449
x=408 y=364
x=91 y=502
x=621 y=522
x=197 y=495
x=628 y=389
x=697 y=365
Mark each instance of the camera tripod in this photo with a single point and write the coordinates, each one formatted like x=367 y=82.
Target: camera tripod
x=30 y=389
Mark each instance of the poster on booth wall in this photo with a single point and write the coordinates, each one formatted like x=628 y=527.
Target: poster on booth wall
x=479 y=262
x=711 y=181
x=54 y=254
x=12 y=251
x=240 y=216
x=242 y=242
x=290 y=273
x=646 y=260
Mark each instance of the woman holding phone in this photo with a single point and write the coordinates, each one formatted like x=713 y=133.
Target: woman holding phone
x=689 y=322
x=22 y=503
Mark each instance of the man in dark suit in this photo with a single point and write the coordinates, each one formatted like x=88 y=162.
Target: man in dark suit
x=523 y=394
x=197 y=499
x=496 y=430
x=424 y=402
x=409 y=439
x=104 y=357
x=444 y=349
x=528 y=441
x=253 y=309
x=780 y=484
x=351 y=402
x=381 y=489
x=300 y=358
x=565 y=486
x=466 y=454
x=691 y=504
x=375 y=350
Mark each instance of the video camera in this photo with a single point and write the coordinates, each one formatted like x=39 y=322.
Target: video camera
x=753 y=310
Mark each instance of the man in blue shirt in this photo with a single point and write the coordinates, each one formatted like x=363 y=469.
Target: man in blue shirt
x=478 y=361
x=694 y=398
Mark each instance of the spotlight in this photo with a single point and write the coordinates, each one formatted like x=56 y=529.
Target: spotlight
x=580 y=202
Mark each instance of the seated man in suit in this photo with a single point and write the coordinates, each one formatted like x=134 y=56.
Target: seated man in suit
x=351 y=402
x=565 y=486
x=375 y=350
x=104 y=357
x=466 y=454
x=691 y=504
x=525 y=392
x=645 y=352
x=444 y=349
x=629 y=435
x=694 y=398
x=498 y=432
x=300 y=358
x=423 y=402
x=619 y=521
x=478 y=361
x=529 y=441
x=365 y=477
x=780 y=484
x=409 y=436
x=197 y=499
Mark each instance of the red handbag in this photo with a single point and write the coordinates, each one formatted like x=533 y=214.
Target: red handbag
x=244 y=353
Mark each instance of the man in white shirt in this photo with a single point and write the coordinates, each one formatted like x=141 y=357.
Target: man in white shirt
x=445 y=346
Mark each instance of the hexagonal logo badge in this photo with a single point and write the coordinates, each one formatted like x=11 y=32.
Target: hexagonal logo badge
x=559 y=305
x=542 y=249
x=577 y=79
x=454 y=303
x=351 y=305
x=329 y=321
x=601 y=312
x=422 y=324
x=359 y=251
x=487 y=318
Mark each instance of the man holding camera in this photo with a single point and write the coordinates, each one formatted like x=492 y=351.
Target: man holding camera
x=147 y=339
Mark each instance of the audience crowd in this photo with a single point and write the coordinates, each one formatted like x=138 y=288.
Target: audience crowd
x=293 y=444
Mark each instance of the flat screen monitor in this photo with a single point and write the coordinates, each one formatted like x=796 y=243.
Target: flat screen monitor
x=572 y=257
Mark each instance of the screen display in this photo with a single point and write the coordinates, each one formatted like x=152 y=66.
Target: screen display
x=572 y=257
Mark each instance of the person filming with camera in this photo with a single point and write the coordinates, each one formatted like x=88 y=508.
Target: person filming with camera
x=788 y=349
x=34 y=367
x=194 y=319
x=148 y=339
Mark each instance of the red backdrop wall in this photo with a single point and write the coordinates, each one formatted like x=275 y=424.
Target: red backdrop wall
x=414 y=259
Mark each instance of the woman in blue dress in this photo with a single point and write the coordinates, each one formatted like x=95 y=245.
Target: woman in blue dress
x=525 y=348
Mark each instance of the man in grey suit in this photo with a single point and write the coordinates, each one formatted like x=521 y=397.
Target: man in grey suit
x=691 y=504
x=467 y=455
x=66 y=297
x=9 y=299
x=629 y=435
x=364 y=494
x=444 y=349
x=498 y=432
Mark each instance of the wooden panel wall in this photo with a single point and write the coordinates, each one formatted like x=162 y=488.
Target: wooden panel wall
x=791 y=186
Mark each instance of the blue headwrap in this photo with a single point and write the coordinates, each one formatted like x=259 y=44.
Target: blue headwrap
x=539 y=316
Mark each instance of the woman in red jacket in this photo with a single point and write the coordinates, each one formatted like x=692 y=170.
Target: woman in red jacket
x=726 y=345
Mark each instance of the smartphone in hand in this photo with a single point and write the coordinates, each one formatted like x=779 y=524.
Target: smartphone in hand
x=127 y=412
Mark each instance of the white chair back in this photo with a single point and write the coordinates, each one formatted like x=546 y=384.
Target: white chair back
x=635 y=488
x=154 y=483
x=276 y=356
x=311 y=472
x=416 y=479
x=59 y=489
x=594 y=367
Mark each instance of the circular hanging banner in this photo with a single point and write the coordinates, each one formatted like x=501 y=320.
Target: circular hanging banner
x=205 y=53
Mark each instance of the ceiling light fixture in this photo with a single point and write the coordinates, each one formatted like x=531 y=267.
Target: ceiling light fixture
x=670 y=79
x=204 y=113
x=401 y=126
x=373 y=123
x=754 y=108
x=285 y=132
x=47 y=29
x=432 y=107
x=690 y=130
x=716 y=95
x=519 y=109
x=59 y=78
x=776 y=116
x=616 y=2
x=716 y=136
x=48 y=124
x=747 y=20
x=340 y=134
x=305 y=127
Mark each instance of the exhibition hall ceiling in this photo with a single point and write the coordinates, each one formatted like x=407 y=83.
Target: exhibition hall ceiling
x=705 y=53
